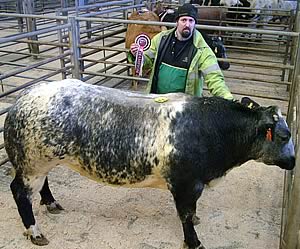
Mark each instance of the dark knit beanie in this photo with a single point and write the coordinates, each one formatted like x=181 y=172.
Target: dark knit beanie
x=187 y=10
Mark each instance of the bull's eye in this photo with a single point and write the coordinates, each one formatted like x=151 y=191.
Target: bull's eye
x=284 y=137
x=275 y=117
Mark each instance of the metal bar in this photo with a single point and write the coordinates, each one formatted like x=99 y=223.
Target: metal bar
x=104 y=48
x=25 y=35
x=18 y=88
x=290 y=225
x=100 y=37
x=120 y=82
x=92 y=52
x=19 y=77
x=61 y=49
x=110 y=62
x=256 y=95
x=290 y=239
x=21 y=53
x=110 y=10
x=105 y=4
x=100 y=71
x=25 y=65
x=6 y=75
x=204 y=27
x=33 y=16
x=20 y=19
x=115 y=76
x=54 y=44
x=28 y=8
x=258 y=80
x=254 y=49
x=259 y=64
x=28 y=54
x=99 y=28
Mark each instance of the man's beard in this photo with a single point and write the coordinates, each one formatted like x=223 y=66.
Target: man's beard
x=186 y=33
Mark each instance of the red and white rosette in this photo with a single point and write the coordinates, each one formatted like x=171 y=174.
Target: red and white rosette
x=143 y=41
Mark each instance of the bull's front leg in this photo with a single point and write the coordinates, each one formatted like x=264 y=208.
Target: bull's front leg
x=186 y=195
x=22 y=194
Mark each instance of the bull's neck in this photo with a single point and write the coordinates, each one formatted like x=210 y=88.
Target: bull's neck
x=244 y=146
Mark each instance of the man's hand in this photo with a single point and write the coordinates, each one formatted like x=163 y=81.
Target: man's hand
x=134 y=48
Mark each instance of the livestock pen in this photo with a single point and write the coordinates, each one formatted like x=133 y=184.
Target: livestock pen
x=87 y=42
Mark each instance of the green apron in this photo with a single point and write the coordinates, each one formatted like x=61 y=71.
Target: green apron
x=171 y=79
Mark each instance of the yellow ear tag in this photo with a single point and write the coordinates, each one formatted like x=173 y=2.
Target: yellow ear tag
x=161 y=99
x=250 y=106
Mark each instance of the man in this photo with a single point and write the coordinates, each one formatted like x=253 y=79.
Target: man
x=180 y=59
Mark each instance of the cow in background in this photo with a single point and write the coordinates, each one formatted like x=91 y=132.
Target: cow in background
x=283 y=8
x=260 y=12
x=133 y=30
x=256 y=13
x=206 y=15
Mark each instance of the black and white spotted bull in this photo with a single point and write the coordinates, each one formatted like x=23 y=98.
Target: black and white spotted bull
x=133 y=139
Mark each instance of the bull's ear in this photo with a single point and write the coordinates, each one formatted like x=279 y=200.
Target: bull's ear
x=246 y=101
x=268 y=120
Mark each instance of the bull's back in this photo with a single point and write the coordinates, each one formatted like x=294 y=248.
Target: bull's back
x=108 y=135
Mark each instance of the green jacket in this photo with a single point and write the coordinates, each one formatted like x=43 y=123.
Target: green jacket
x=204 y=65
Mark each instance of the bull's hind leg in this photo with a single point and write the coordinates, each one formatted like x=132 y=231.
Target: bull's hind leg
x=47 y=199
x=186 y=196
x=23 y=188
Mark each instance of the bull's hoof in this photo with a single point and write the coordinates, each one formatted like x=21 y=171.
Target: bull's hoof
x=39 y=240
x=54 y=208
x=195 y=220
x=185 y=246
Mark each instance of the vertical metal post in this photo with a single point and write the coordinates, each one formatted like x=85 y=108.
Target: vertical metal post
x=291 y=226
x=291 y=44
x=74 y=42
x=2 y=85
x=61 y=49
x=28 y=8
x=88 y=23
x=104 y=50
x=64 y=4
x=296 y=62
x=19 y=10
x=288 y=48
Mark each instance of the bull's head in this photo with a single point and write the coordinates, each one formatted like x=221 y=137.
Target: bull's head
x=274 y=137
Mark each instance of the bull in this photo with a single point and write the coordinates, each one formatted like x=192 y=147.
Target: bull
x=174 y=141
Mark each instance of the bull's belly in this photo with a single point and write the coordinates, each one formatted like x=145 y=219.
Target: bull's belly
x=151 y=181
x=154 y=180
